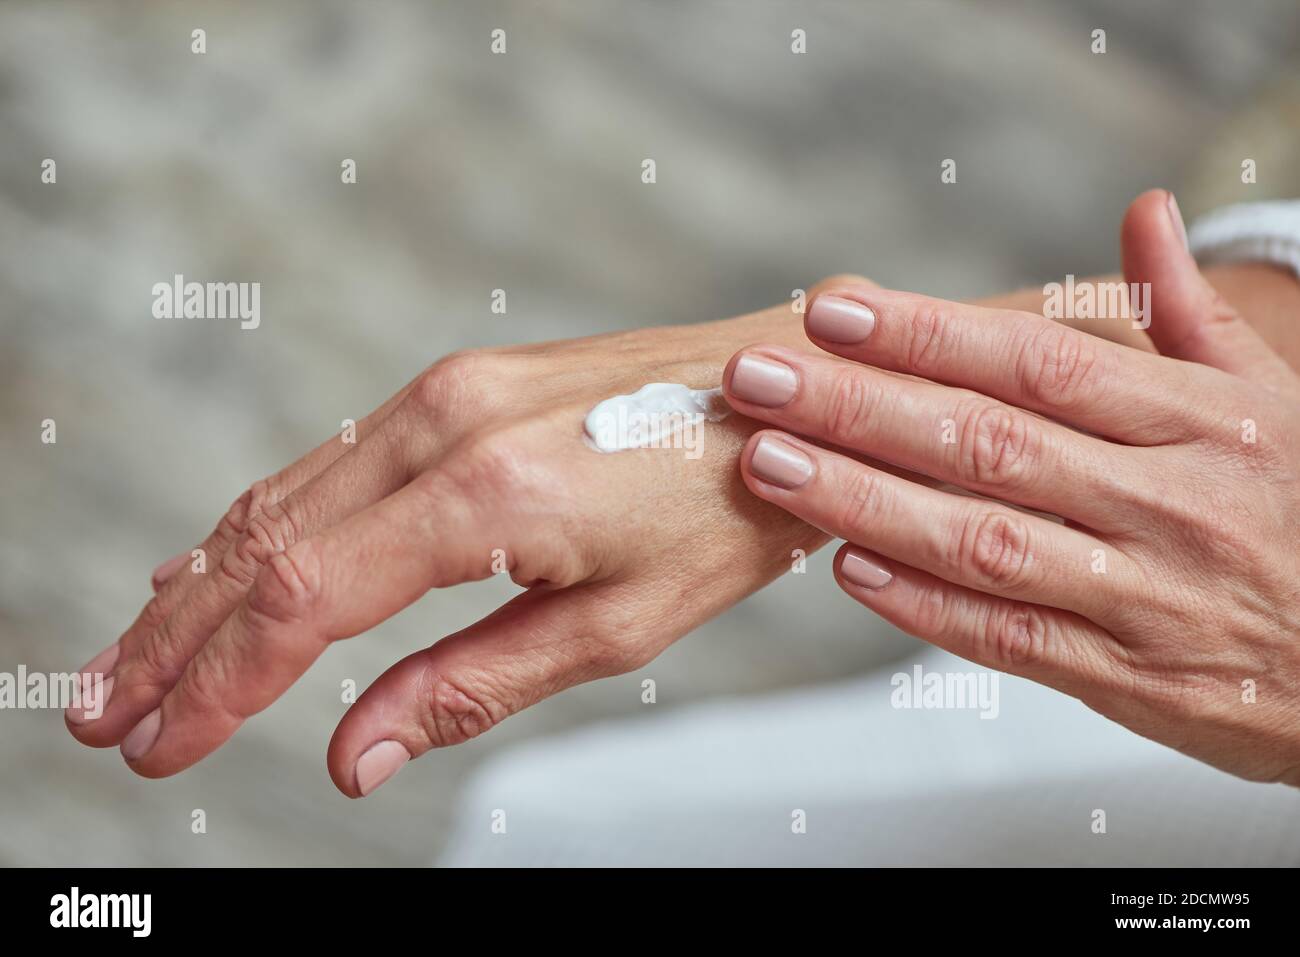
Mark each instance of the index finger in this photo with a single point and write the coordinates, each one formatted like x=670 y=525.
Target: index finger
x=1026 y=360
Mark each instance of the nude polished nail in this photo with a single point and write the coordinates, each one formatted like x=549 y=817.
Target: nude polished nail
x=839 y=320
x=1177 y=217
x=168 y=568
x=102 y=663
x=860 y=570
x=379 y=763
x=99 y=665
x=764 y=382
x=142 y=737
x=779 y=463
x=92 y=703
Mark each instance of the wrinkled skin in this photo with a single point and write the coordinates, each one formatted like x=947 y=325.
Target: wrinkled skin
x=1169 y=600
x=622 y=553
x=480 y=457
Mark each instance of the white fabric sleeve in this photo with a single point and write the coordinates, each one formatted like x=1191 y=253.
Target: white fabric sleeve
x=1249 y=232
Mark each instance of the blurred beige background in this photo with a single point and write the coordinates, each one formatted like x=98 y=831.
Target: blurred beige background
x=522 y=172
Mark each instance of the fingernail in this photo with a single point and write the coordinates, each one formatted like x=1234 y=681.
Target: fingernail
x=102 y=663
x=98 y=666
x=380 y=762
x=861 y=570
x=81 y=713
x=839 y=320
x=1177 y=218
x=763 y=381
x=168 y=568
x=780 y=463
x=142 y=736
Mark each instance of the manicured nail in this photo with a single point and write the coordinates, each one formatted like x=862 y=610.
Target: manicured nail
x=763 y=382
x=839 y=320
x=92 y=704
x=99 y=665
x=863 y=571
x=380 y=762
x=1177 y=217
x=142 y=736
x=168 y=568
x=780 y=463
x=102 y=663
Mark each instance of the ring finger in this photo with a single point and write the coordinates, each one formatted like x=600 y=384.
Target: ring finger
x=973 y=542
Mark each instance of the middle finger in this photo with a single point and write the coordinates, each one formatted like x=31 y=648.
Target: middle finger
x=953 y=435
x=979 y=544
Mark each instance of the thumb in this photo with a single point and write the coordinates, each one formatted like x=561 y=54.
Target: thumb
x=1189 y=319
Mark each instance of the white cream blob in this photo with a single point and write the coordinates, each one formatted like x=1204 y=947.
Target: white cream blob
x=658 y=415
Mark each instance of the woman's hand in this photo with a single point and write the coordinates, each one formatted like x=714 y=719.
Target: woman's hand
x=1169 y=600
x=477 y=466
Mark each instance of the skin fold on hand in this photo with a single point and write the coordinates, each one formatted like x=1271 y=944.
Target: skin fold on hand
x=1168 y=599
x=480 y=456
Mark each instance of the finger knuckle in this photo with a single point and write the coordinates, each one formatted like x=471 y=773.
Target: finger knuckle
x=992 y=550
x=862 y=502
x=999 y=448
x=235 y=520
x=1058 y=368
x=458 y=708
x=851 y=406
x=160 y=656
x=287 y=588
x=932 y=615
x=930 y=330
x=254 y=499
x=454 y=381
x=235 y=573
x=1015 y=637
x=269 y=532
x=202 y=687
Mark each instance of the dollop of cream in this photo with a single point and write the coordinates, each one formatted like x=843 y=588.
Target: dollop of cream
x=657 y=415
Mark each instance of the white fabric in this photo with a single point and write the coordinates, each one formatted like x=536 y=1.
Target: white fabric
x=1249 y=232
x=717 y=783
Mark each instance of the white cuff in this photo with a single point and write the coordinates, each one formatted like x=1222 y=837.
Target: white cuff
x=1249 y=232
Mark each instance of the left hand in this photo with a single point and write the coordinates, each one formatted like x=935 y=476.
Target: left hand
x=478 y=467
x=1168 y=600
